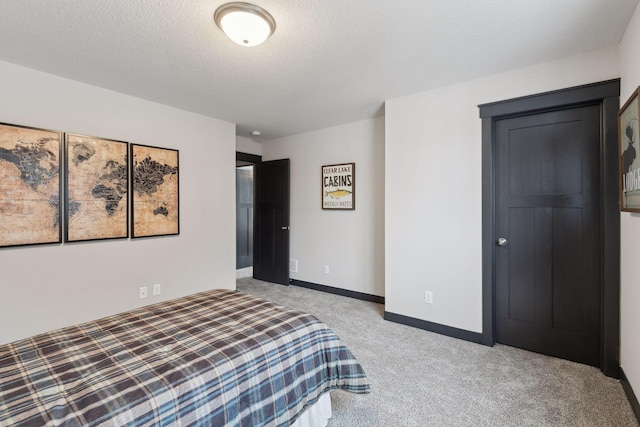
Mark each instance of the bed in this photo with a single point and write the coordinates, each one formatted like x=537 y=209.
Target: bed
x=217 y=358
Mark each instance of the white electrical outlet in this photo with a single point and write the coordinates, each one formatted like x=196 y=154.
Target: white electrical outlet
x=428 y=297
x=326 y=269
x=293 y=265
x=156 y=289
x=143 y=292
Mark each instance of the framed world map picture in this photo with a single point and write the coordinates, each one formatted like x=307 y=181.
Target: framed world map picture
x=97 y=182
x=30 y=185
x=155 y=206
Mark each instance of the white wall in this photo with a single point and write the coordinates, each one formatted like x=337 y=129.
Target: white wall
x=630 y=225
x=433 y=186
x=46 y=287
x=249 y=146
x=351 y=243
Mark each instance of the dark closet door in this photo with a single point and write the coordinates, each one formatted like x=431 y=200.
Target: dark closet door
x=271 y=255
x=548 y=213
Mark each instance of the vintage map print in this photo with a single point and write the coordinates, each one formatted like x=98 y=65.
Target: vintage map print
x=155 y=204
x=29 y=185
x=97 y=183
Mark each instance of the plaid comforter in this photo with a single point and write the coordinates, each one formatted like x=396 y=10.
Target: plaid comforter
x=214 y=358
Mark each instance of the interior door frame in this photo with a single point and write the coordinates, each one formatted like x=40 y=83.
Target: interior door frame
x=255 y=160
x=249 y=158
x=606 y=94
x=246 y=159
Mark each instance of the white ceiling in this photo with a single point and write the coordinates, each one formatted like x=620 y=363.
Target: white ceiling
x=329 y=62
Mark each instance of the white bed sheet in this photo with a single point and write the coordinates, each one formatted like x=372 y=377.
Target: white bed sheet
x=317 y=415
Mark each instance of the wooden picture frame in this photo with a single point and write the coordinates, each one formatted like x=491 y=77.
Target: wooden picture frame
x=30 y=185
x=628 y=137
x=155 y=199
x=339 y=186
x=96 y=188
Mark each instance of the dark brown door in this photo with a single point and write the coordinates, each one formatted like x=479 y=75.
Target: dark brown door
x=548 y=213
x=271 y=254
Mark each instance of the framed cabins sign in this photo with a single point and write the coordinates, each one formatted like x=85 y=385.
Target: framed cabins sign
x=339 y=186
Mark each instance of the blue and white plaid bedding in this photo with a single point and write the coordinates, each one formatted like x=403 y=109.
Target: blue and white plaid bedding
x=216 y=358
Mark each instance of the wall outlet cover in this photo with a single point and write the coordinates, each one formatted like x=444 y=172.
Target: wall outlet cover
x=428 y=297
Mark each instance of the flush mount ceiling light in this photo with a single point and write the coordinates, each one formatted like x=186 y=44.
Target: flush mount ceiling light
x=244 y=23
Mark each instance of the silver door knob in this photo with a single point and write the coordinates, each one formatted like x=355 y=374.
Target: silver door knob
x=502 y=241
x=284 y=228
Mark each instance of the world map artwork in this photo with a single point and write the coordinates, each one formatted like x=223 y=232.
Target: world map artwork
x=29 y=186
x=97 y=182
x=155 y=191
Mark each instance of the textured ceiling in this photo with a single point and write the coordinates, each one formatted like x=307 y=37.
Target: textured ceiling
x=329 y=62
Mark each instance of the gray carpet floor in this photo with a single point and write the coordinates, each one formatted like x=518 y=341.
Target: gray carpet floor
x=419 y=378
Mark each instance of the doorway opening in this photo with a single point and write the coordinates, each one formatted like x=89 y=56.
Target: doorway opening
x=245 y=197
x=244 y=221
x=262 y=218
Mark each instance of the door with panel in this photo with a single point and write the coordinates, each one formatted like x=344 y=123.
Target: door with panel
x=548 y=260
x=271 y=244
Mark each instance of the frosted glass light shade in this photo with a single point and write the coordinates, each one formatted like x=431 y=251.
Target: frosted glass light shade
x=245 y=24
